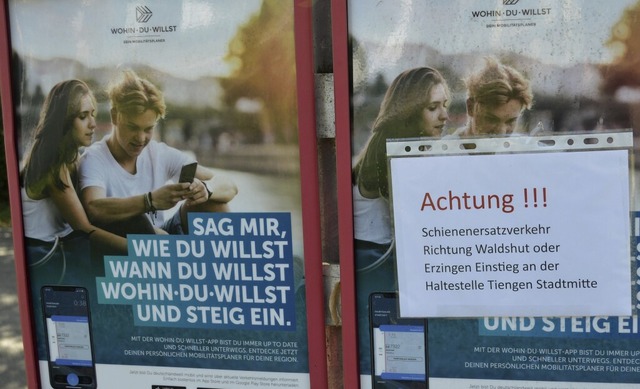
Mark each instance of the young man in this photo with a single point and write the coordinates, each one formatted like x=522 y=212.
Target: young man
x=124 y=176
x=497 y=96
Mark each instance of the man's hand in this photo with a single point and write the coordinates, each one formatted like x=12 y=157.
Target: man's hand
x=198 y=193
x=169 y=195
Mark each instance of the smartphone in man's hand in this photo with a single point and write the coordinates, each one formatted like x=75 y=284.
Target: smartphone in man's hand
x=188 y=172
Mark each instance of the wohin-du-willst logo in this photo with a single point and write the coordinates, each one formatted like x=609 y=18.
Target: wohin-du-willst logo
x=144 y=31
x=509 y=10
x=513 y=13
x=143 y=14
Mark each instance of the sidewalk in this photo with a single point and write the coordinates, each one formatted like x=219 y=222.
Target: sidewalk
x=12 y=371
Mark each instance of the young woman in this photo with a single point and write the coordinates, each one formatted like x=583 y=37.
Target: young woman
x=58 y=235
x=54 y=221
x=415 y=105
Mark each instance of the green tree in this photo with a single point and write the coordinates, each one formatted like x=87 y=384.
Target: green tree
x=625 y=46
x=263 y=82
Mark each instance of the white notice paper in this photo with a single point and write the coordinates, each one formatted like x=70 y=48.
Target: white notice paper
x=531 y=234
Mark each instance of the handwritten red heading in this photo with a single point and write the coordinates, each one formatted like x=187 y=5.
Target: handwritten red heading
x=533 y=197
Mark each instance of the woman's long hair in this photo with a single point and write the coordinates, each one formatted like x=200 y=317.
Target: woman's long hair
x=400 y=116
x=53 y=145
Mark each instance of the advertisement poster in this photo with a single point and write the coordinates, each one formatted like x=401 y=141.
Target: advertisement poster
x=160 y=184
x=420 y=69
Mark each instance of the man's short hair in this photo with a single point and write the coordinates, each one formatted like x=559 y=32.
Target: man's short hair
x=132 y=95
x=496 y=84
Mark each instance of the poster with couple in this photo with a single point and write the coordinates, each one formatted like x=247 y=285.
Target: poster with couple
x=161 y=184
x=470 y=74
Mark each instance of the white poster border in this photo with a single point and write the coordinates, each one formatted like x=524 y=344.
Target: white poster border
x=511 y=144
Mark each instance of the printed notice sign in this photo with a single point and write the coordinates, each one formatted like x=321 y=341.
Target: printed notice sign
x=528 y=234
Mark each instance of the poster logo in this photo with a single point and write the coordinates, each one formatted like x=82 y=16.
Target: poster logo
x=510 y=2
x=143 y=14
x=143 y=34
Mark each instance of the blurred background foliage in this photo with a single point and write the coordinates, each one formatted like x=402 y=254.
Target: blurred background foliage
x=264 y=77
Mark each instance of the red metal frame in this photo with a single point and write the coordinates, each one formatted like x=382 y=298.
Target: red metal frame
x=30 y=357
x=310 y=194
x=342 y=90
